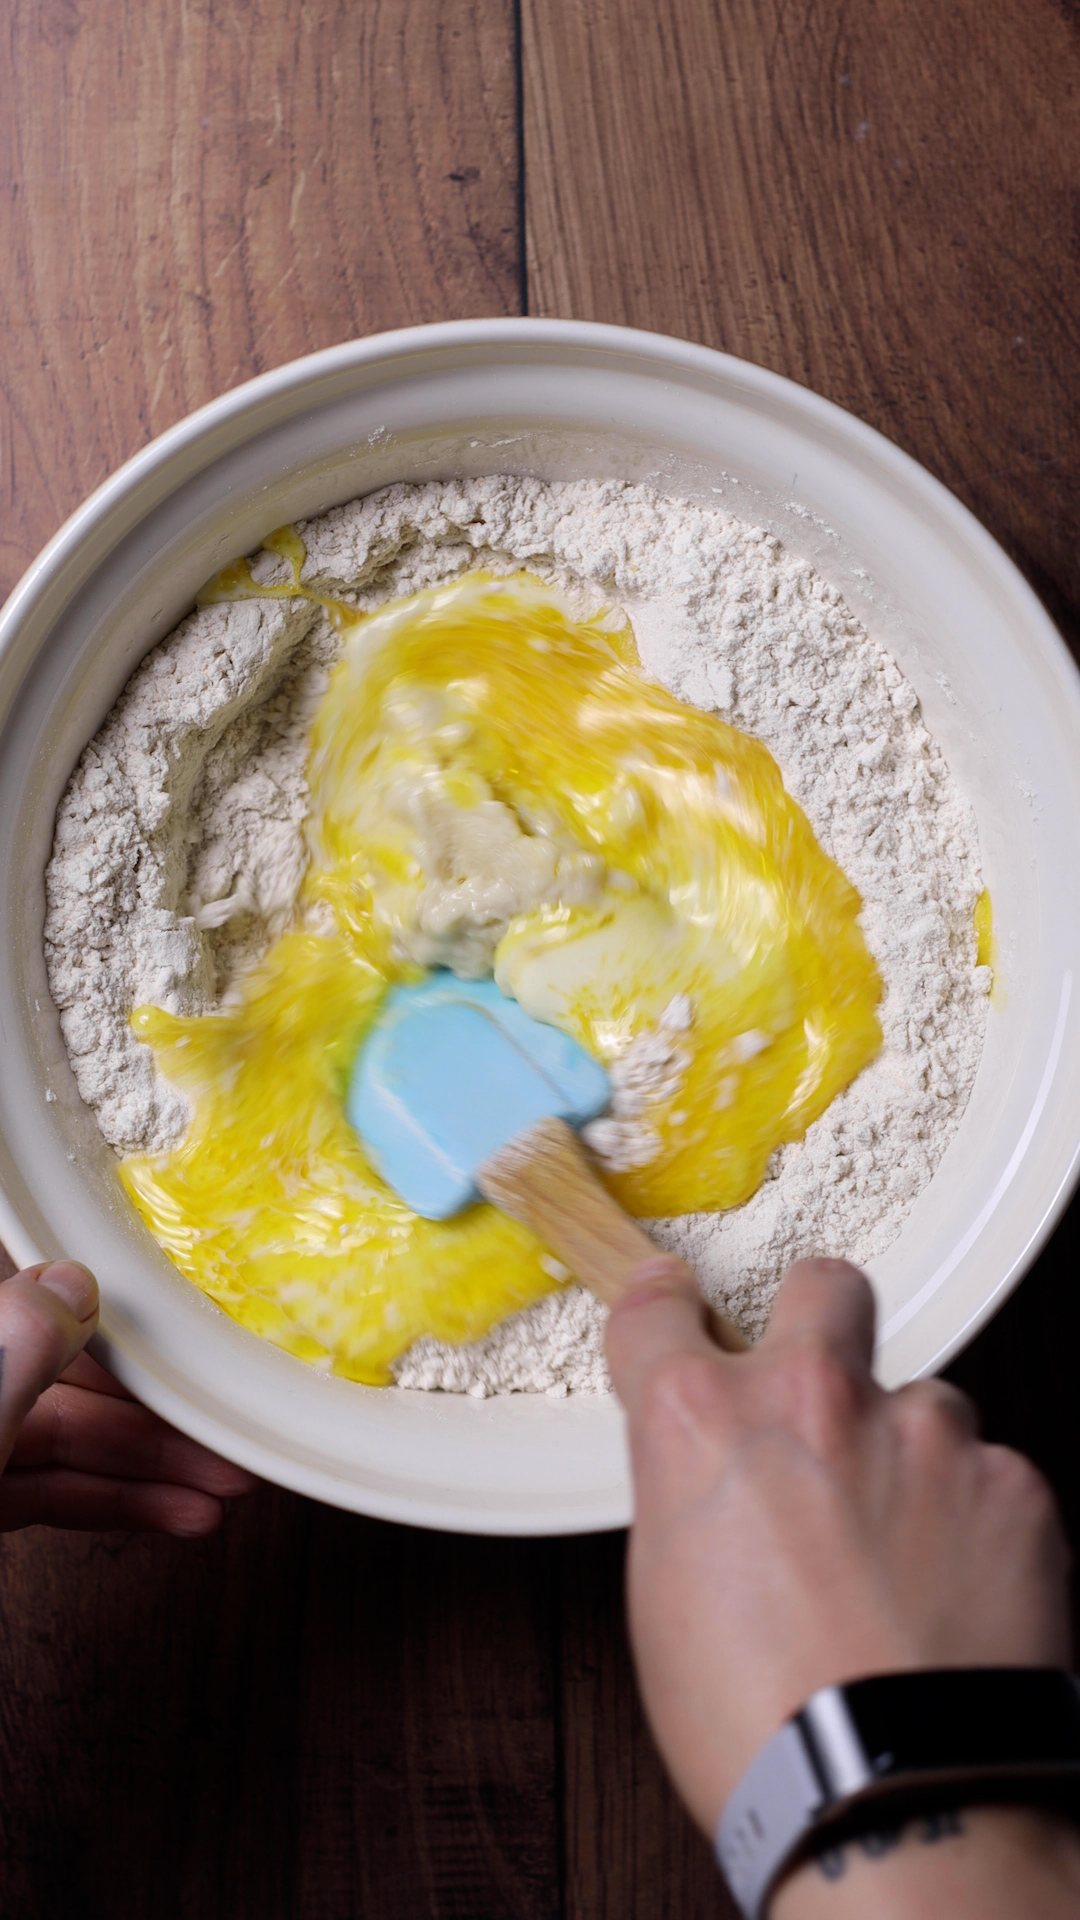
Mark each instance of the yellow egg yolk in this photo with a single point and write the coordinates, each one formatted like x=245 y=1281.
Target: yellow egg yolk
x=986 y=947
x=495 y=784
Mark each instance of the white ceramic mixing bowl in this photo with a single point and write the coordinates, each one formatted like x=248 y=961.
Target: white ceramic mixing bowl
x=561 y=400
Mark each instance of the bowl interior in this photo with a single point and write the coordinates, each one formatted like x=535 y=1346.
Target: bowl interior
x=561 y=401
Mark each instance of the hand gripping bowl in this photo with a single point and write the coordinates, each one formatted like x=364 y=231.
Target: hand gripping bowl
x=561 y=400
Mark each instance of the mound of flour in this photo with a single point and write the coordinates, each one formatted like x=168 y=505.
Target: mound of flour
x=179 y=847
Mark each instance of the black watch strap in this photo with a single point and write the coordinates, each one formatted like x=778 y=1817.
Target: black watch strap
x=896 y=1745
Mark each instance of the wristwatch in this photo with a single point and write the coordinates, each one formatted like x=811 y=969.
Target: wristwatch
x=885 y=1749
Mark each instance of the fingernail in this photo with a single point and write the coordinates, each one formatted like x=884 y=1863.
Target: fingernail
x=74 y=1285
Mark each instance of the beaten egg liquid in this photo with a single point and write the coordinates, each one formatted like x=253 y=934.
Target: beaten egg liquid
x=658 y=854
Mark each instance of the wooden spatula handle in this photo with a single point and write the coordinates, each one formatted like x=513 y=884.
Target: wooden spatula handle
x=544 y=1179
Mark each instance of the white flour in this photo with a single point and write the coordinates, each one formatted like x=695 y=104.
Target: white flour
x=179 y=849
x=648 y=1072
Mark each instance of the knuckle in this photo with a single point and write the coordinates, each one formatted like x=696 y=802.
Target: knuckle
x=933 y=1414
x=830 y=1285
x=830 y=1273
x=815 y=1391
x=1028 y=1509
x=1017 y=1483
x=682 y=1389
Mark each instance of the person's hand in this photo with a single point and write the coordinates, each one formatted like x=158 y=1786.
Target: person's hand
x=75 y=1449
x=797 y=1526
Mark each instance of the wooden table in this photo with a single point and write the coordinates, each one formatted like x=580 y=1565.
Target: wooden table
x=315 y=1715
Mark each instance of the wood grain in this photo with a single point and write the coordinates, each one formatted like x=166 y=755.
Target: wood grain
x=429 y=1754
x=310 y=1714
x=196 y=191
x=630 y=1848
x=313 y=1714
x=879 y=201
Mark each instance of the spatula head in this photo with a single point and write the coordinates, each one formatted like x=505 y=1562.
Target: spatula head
x=451 y=1071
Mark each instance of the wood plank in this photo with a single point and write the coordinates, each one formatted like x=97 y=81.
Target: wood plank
x=310 y=1713
x=192 y=193
x=148 y=1736
x=428 y=1753
x=632 y=1852
x=877 y=201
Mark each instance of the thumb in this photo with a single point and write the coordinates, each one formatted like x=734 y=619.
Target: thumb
x=661 y=1314
x=47 y=1314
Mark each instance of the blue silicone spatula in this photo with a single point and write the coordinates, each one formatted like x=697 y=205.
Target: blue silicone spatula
x=458 y=1095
